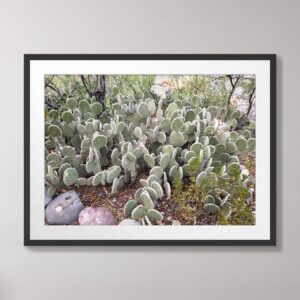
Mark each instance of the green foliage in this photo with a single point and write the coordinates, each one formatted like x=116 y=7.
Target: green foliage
x=240 y=215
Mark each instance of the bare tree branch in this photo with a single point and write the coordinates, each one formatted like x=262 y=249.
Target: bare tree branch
x=250 y=100
x=233 y=86
x=85 y=85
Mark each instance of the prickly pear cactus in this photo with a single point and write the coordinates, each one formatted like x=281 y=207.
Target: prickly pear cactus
x=163 y=138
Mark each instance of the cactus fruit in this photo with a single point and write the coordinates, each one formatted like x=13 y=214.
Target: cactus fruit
x=70 y=176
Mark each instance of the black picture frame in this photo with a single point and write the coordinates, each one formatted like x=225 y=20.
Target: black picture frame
x=31 y=57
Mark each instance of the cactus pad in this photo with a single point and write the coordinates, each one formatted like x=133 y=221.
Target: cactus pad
x=146 y=200
x=139 y=212
x=129 y=207
x=54 y=131
x=67 y=117
x=177 y=123
x=84 y=106
x=99 y=141
x=96 y=108
x=154 y=215
x=177 y=139
x=241 y=144
x=157 y=171
x=70 y=176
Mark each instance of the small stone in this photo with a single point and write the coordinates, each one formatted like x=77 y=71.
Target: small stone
x=175 y=223
x=64 y=209
x=47 y=198
x=96 y=216
x=129 y=222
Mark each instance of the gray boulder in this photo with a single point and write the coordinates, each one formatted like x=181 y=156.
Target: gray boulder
x=64 y=209
x=129 y=222
x=47 y=198
x=96 y=216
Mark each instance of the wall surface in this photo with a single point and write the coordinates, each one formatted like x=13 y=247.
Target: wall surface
x=143 y=26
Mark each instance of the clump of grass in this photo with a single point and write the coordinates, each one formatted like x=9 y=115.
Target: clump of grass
x=241 y=213
x=187 y=198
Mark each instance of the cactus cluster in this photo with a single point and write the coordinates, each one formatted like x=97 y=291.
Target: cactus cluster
x=86 y=145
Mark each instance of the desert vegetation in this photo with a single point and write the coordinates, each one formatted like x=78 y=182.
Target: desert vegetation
x=150 y=149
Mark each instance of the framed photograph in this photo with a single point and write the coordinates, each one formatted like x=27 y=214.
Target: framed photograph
x=150 y=149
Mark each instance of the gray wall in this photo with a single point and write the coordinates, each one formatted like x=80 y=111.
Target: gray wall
x=170 y=26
